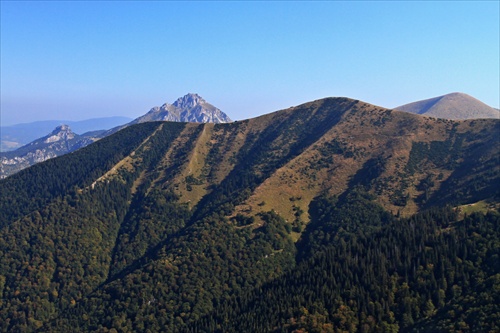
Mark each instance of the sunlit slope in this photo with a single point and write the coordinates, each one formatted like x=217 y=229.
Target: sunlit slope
x=327 y=145
x=286 y=158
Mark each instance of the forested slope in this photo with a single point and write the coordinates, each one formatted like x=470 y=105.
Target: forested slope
x=433 y=272
x=172 y=226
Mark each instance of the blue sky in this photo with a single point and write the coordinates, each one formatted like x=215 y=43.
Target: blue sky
x=79 y=60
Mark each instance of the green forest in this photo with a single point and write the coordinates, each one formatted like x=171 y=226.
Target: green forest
x=104 y=239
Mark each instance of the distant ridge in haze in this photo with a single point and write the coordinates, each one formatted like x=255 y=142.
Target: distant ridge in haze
x=454 y=106
x=60 y=141
x=16 y=136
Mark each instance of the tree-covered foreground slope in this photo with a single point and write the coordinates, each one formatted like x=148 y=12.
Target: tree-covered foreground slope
x=301 y=220
x=372 y=272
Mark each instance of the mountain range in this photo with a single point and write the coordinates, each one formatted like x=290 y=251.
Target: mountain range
x=193 y=108
x=60 y=141
x=334 y=215
x=189 y=108
x=16 y=136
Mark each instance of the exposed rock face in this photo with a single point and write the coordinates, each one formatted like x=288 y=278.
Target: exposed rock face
x=60 y=141
x=189 y=108
x=62 y=132
x=189 y=101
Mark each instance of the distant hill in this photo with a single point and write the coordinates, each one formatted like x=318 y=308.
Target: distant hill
x=15 y=136
x=334 y=215
x=452 y=106
x=60 y=141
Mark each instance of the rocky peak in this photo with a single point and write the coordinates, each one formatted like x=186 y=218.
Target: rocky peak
x=189 y=101
x=189 y=108
x=61 y=128
x=60 y=141
x=61 y=132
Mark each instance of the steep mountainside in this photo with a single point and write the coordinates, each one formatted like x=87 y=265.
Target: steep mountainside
x=302 y=219
x=452 y=106
x=60 y=141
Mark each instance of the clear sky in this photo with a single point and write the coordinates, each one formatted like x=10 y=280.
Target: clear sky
x=79 y=60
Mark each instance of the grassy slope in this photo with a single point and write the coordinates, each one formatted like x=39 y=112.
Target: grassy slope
x=452 y=106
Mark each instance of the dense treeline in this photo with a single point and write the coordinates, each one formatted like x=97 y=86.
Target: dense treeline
x=55 y=255
x=431 y=272
x=186 y=278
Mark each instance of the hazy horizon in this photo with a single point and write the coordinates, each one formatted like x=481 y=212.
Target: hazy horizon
x=81 y=60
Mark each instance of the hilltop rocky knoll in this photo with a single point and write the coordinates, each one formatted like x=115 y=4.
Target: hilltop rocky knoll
x=334 y=215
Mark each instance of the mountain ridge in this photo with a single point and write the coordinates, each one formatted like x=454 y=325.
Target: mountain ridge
x=353 y=126
x=60 y=141
x=159 y=225
x=15 y=136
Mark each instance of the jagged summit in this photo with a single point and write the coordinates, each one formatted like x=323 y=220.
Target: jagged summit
x=61 y=132
x=189 y=108
x=62 y=127
x=451 y=106
x=189 y=101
